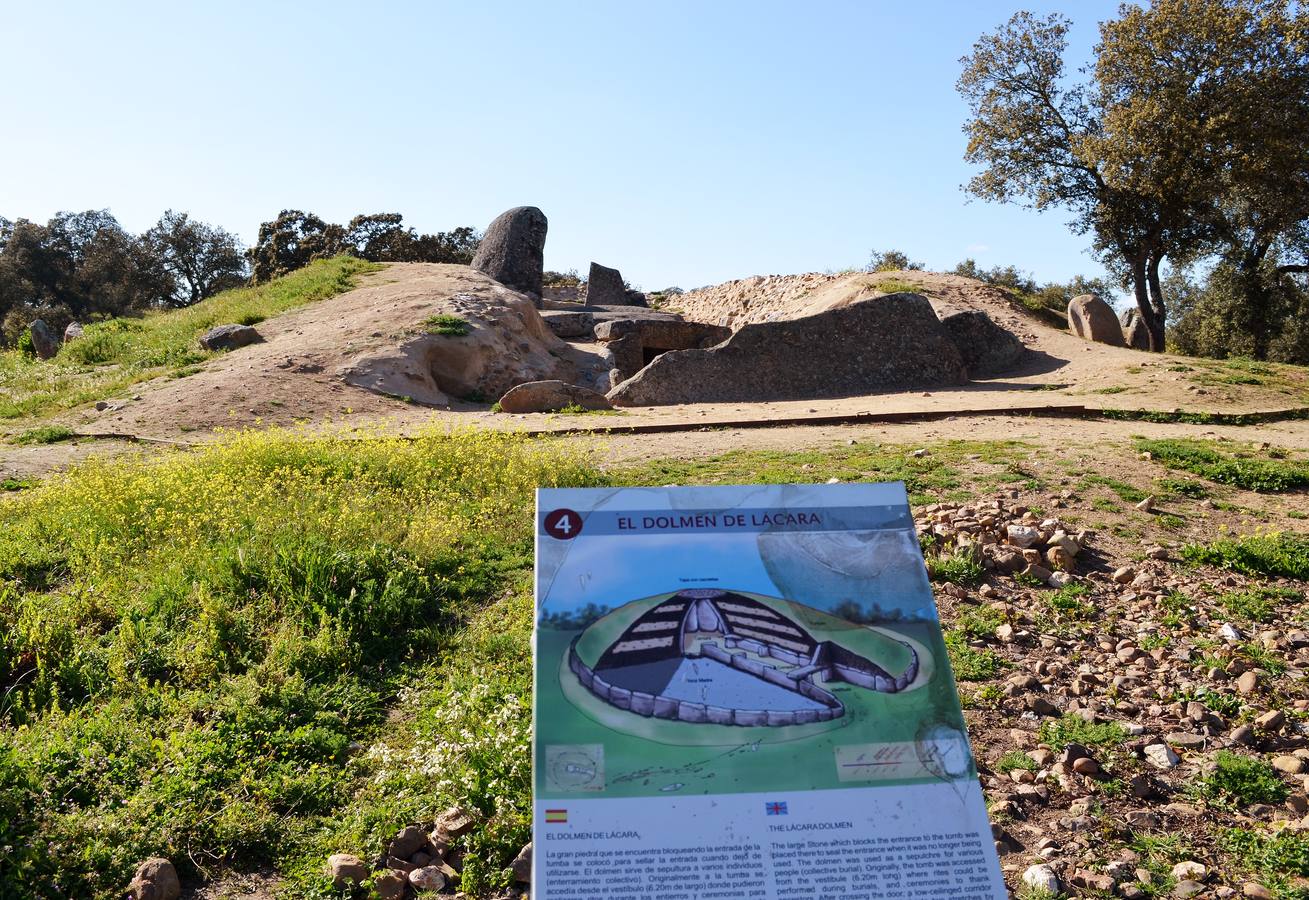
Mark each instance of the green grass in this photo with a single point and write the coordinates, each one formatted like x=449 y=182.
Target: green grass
x=1241 y=780
x=925 y=477
x=189 y=646
x=45 y=434
x=112 y=355
x=897 y=286
x=450 y=326
x=1073 y=729
x=1126 y=492
x=1216 y=462
x=1256 y=604
x=1070 y=601
x=1182 y=487
x=971 y=664
x=1276 y=858
x=978 y=621
x=1015 y=759
x=958 y=568
x=1278 y=554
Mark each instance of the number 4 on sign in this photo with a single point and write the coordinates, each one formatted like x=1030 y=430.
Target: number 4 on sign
x=563 y=524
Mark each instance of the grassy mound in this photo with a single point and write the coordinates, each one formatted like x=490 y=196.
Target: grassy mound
x=115 y=354
x=196 y=655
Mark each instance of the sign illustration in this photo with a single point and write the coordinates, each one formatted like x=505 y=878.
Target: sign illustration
x=744 y=692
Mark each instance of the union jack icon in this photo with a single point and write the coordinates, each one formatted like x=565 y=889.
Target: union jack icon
x=775 y=809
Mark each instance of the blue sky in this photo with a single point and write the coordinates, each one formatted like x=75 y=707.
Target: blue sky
x=685 y=143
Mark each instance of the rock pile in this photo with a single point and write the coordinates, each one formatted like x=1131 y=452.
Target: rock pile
x=1008 y=539
x=419 y=859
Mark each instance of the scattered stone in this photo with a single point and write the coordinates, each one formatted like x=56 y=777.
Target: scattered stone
x=409 y=841
x=1161 y=756
x=454 y=823
x=346 y=870
x=427 y=878
x=1146 y=505
x=155 y=879
x=1189 y=869
x=1256 y=891
x=550 y=396
x=512 y=251
x=44 y=343
x=1042 y=878
x=73 y=332
x=1248 y=682
x=1270 y=721
x=390 y=886
x=229 y=337
x=1022 y=536
x=1291 y=765
x=1188 y=889
x=1229 y=632
x=1090 y=318
x=1124 y=575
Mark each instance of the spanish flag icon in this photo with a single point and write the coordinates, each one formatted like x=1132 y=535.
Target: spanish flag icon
x=556 y=817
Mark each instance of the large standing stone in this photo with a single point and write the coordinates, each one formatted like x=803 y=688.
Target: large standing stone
x=550 y=396
x=605 y=287
x=1135 y=333
x=513 y=249
x=894 y=341
x=229 y=337
x=1092 y=319
x=43 y=340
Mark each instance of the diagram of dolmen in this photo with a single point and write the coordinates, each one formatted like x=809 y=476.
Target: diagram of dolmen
x=720 y=657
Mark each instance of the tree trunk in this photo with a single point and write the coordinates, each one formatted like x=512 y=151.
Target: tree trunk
x=1159 y=310
x=1141 y=290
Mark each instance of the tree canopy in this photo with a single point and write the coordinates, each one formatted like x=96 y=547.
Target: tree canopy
x=1186 y=141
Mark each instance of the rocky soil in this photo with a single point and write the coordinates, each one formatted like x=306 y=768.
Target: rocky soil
x=1132 y=715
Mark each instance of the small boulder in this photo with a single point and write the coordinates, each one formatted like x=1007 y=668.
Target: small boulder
x=73 y=331
x=427 y=878
x=229 y=337
x=155 y=879
x=1092 y=319
x=551 y=396
x=390 y=886
x=1041 y=878
x=1135 y=334
x=513 y=249
x=453 y=823
x=409 y=841
x=346 y=870
x=522 y=865
x=44 y=343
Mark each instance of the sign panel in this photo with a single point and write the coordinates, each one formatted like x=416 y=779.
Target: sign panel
x=744 y=692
